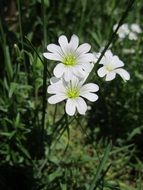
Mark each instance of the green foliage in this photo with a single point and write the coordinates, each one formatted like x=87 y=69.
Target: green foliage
x=47 y=152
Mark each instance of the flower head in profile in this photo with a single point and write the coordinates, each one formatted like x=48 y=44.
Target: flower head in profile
x=73 y=58
x=74 y=92
x=112 y=65
x=123 y=30
x=135 y=30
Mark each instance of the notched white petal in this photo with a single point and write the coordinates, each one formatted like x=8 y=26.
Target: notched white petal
x=70 y=107
x=63 y=41
x=52 y=56
x=123 y=73
x=90 y=96
x=68 y=74
x=56 y=88
x=102 y=71
x=83 y=48
x=74 y=42
x=59 y=70
x=54 y=49
x=90 y=87
x=56 y=99
x=110 y=76
x=81 y=105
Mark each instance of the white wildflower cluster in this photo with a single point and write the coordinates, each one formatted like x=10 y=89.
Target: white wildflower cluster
x=75 y=63
x=130 y=31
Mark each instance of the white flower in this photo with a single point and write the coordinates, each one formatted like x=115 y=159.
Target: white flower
x=123 y=30
x=112 y=66
x=129 y=51
x=136 y=28
x=74 y=92
x=73 y=59
x=133 y=36
x=129 y=31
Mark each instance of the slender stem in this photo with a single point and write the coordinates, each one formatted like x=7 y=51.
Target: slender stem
x=113 y=35
x=44 y=72
x=21 y=36
x=20 y=23
x=34 y=49
x=44 y=24
x=55 y=113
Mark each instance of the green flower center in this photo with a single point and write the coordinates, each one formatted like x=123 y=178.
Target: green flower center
x=73 y=93
x=69 y=60
x=109 y=67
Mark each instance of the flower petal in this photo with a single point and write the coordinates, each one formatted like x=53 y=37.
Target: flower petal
x=56 y=98
x=52 y=56
x=117 y=61
x=102 y=71
x=110 y=76
x=74 y=42
x=123 y=73
x=90 y=96
x=84 y=48
x=133 y=36
x=81 y=105
x=54 y=80
x=87 y=66
x=55 y=49
x=68 y=73
x=70 y=107
x=109 y=54
x=59 y=70
x=90 y=87
x=56 y=88
x=88 y=57
x=64 y=44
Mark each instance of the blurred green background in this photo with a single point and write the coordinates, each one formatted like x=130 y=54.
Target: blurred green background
x=64 y=156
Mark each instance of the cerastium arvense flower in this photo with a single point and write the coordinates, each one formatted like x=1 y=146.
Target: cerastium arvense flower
x=74 y=93
x=74 y=59
x=74 y=67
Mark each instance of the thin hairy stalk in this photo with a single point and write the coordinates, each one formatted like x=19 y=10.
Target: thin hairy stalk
x=44 y=103
x=34 y=49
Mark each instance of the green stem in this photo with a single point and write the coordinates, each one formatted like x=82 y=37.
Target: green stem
x=20 y=23
x=44 y=24
x=100 y=167
x=113 y=35
x=55 y=113
x=44 y=72
x=34 y=49
x=21 y=36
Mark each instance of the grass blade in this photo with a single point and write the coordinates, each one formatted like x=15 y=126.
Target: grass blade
x=101 y=167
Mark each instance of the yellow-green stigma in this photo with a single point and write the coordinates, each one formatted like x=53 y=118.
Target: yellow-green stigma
x=109 y=67
x=69 y=60
x=73 y=93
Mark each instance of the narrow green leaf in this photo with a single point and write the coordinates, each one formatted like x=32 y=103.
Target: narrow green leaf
x=101 y=166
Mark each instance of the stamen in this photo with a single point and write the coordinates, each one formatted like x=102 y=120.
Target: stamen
x=73 y=93
x=69 y=60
